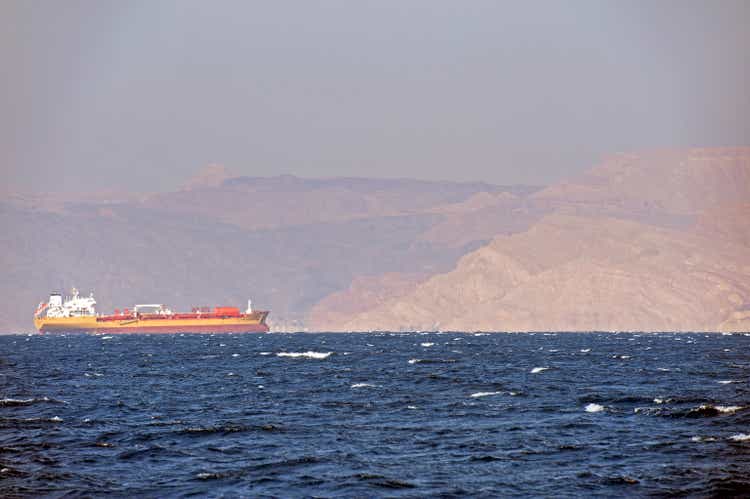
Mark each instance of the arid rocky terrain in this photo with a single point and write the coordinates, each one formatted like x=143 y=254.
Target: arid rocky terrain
x=650 y=241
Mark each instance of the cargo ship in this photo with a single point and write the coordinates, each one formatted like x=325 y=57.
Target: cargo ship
x=77 y=314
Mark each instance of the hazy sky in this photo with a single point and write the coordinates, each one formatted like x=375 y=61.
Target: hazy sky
x=141 y=94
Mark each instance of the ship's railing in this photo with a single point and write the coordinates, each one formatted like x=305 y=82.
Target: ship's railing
x=258 y=315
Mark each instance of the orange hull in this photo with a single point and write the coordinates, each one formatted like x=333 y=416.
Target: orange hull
x=254 y=322
x=195 y=329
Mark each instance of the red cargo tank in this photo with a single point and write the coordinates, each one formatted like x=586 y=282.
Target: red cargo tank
x=227 y=311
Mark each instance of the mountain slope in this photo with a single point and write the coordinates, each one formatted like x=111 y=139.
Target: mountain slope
x=575 y=273
x=657 y=241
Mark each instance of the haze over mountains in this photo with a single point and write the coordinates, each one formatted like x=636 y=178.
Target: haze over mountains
x=285 y=242
x=649 y=241
x=655 y=241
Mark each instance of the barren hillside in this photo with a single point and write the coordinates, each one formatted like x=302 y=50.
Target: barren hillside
x=657 y=241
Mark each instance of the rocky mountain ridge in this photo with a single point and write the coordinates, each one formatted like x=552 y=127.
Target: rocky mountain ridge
x=651 y=241
x=657 y=241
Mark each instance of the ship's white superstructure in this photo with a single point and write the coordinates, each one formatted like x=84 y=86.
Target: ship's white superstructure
x=152 y=308
x=71 y=306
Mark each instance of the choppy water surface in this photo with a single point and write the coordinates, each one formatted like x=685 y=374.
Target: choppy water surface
x=375 y=414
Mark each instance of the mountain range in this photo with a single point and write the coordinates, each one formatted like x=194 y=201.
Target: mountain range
x=649 y=241
x=643 y=242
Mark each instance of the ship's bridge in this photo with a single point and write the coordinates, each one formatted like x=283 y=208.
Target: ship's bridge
x=70 y=306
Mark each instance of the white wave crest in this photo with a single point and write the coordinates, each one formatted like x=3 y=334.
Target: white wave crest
x=726 y=381
x=426 y=344
x=740 y=437
x=594 y=408
x=702 y=439
x=728 y=409
x=585 y=350
x=364 y=385
x=308 y=355
x=413 y=361
x=484 y=394
x=538 y=370
x=10 y=401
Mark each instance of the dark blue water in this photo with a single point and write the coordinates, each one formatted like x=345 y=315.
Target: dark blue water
x=383 y=415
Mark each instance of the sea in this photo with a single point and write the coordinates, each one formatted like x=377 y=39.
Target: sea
x=375 y=415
